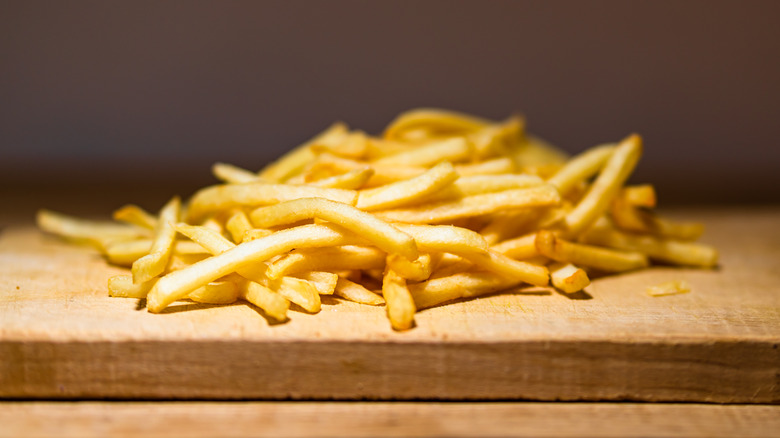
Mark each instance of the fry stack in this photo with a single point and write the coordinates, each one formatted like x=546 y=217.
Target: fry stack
x=442 y=206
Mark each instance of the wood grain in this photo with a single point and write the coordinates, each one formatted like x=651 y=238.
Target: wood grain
x=62 y=337
x=375 y=419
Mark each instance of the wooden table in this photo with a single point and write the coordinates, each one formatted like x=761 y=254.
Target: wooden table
x=61 y=337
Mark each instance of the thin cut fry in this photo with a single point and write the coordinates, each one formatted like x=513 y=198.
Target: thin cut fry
x=261 y=296
x=218 y=292
x=237 y=225
x=399 y=302
x=463 y=285
x=226 y=197
x=582 y=167
x=95 y=233
x=355 y=292
x=674 y=287
x=380 y=233
x=541 y=196
x=294 y=161
x=133 y=214
x=351 y=180
x=123 y=286
x=523 y=247
x=327 y=259
x=600 y=258
x=323 y=282
x=414 y=270
x=153 y=264
x=408 y=191
x=233 y=174
x=568 y=278
x=607 y=184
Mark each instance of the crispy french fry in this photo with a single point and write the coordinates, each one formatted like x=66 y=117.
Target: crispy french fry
x=353 y=145
x=495 y=166
x=408 y=191
x=272 y=303
x=237 y=225
x=123 y=286
x=639 y=196
x=582 y=167
x=233 y=174
x=380 y=233
x=399 y=302
x=124 y=253
x=568 y=278
x=670 y=251
x=217 y=292
x=452 y=149
x=612 y=176
x=294 y=161
x=414 y=270
x=327 y=259
x=481 y=184
x=133 y=214
x=355 y=292
x=462 y=285
x=95 y=233
x=153 y=264
x=226 y=197
x=600 y=258
x=523 y=247
x=351 y=180
x=436 y=120
x=323 y=282
x=444 y=211
x=674 y=287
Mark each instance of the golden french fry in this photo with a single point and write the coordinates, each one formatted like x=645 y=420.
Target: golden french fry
x=399 y=302
x=541 y=196
x=153 y=264
x=217 y=292
x=674 y=287
x=462 y=285
x=671 y=251
x=568 y=278
x=272 y=303
x=323 y=282
x=133 y=214
x=351 y=180
x=125 y=252
x=298 y=291
x=237 y=225
x=639 y=196
x=357 y=293
x=452 y=149
x=534 y=152
x=178 y=284
x=481 y=184
x=629 y=218
x=327 y=259
x=516 y=269
x=353 y=145
x=233 y=174
x=523 y=247
x=378 y=232
x=95 y=233
x=414 y=270
x=436 y=120
x=123 y=286
x=604 y=259
x=254 y=234
x=445 y=238
x=495 y=166
x=408 y=191
x=226 y=197
x=612 y=176
x=294 y=161
x=582 y=167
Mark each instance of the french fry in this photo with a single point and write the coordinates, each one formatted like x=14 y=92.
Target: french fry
x=323 y=282
x=95 y=233
x=670 y=251
x=603 y=259
x=237 y=225
x=435 y=120
x=523 y=247
x=408 y=191
x=612 y=176
x=153 y=264
x=226 y=197
x=125 y=252
x=294 y=161
x=462 y=285
x=233 y=174
x=351 y=180
x=481 y=184
x=378 y=232
x=629 y=218
x=582 y=167
x=353 y=145
x=444 y=211
x=674 y=287
x=327 y=259
x=123 y=286
x=355 y=292
x=452 y=149
x=133 y=214
x=272 y=303
x=497 y=166
x=412 y=270
x=218 y=292
x=399 y=302
x=639 y=196
x=568 y=278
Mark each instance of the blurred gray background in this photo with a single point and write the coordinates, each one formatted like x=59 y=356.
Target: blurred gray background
x=97 y=97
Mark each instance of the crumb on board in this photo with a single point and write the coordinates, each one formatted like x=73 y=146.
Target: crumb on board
x=674 y=287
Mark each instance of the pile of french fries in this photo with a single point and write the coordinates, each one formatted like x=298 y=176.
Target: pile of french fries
x=442 y=206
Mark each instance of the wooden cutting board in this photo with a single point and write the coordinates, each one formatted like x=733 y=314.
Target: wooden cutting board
x=61 y=336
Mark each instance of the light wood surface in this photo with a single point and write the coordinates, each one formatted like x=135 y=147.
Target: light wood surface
x=381 y=419
x=61 y=336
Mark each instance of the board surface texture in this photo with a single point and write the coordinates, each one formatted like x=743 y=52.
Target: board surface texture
x=61 y=336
